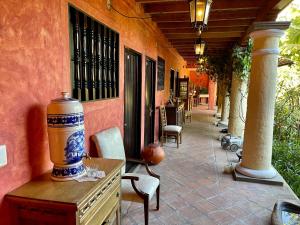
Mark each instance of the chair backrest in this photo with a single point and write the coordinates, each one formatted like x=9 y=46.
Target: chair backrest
x=109 y=144
x=163 y=116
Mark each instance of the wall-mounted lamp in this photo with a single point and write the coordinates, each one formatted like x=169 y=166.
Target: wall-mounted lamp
x=199 y=12
x=199 y=47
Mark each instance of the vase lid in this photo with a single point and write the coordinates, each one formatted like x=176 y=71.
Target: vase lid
x=65 y=98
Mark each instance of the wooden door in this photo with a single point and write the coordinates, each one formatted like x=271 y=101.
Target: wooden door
x=132 y=104
x=172 y=82
x=149 y=101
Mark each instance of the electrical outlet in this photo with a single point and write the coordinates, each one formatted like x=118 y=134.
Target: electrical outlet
x=3 y=155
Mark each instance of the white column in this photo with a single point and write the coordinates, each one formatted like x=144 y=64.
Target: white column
x=257 y=151
x=238 y=106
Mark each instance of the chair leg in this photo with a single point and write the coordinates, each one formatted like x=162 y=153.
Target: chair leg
x=177 y=139
x=146 y=209
x=180 y=138
x=157 y=197
x=162 y=139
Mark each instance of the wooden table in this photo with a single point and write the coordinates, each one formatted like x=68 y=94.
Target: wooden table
x=48 y=202
x=203 y=98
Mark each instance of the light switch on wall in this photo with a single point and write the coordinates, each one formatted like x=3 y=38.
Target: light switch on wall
x=3 y=156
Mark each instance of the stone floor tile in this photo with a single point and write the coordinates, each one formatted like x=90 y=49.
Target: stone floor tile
x=178 y=203
x=174 y=219
x=221 y=217
x=201 y=220
x=189 y=212
x=205 y=206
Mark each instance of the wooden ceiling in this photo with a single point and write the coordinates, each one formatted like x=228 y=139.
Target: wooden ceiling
x=228 y=24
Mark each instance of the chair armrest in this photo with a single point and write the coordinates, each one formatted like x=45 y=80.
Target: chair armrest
x=130 y=177
x=139 y=161
x=149 y=171
x=135 y=188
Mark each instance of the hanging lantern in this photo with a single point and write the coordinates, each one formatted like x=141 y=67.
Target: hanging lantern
x=199 y=12
x=199 y=47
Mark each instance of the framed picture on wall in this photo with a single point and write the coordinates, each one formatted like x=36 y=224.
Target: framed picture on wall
x=160 y=73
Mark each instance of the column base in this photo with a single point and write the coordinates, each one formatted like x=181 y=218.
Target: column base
x=223 y=123
x=261 y=174
x=277 y=180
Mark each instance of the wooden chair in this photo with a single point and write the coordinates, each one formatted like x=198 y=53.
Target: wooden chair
x=188 y=115
x=169 y=130
x=135 y=187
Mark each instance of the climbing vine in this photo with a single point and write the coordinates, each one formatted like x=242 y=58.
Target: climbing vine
x=241 y=60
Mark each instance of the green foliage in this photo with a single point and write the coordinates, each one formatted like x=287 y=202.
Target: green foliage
x=291 y=44
x=286 y=146
x=286 y=159
x=203 y=91
x=241 y=60
x=287 y=112
x=218 y=67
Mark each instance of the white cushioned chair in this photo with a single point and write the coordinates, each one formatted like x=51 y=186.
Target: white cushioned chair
x=135 y=187
x=169 y=130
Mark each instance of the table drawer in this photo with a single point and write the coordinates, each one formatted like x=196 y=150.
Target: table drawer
x=103 y=209
x=97 y=208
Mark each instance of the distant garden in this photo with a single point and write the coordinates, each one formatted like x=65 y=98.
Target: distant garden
x=286 y=146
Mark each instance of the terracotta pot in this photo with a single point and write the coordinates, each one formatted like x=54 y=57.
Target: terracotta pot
x=153 y=154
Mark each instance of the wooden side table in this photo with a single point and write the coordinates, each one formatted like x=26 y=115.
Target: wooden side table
x=44 y=201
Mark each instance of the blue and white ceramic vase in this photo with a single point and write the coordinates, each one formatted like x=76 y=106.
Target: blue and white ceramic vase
x=66 y=137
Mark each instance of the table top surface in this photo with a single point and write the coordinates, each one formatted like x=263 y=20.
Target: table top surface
x=44 y=188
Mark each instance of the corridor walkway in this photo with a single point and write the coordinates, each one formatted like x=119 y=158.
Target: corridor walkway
x=194 y=189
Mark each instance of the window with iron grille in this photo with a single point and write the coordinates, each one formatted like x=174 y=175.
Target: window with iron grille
x=94 y=58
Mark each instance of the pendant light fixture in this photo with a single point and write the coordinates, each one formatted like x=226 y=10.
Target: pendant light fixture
x=199 y=12
x=199 y=47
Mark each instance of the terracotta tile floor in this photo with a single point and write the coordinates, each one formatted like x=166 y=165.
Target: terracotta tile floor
x=194 y=189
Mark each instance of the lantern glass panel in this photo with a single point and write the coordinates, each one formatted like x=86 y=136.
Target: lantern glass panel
x=202 y=46
x=192 y=11
x=200 y=8
x=197 y=49
x=207 y=11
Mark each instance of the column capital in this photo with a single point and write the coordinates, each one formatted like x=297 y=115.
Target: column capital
x=266 y=33
x=269 y=25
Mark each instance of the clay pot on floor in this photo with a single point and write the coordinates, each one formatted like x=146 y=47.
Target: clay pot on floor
x=153 y=154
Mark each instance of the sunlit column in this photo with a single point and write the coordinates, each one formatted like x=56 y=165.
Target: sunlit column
x=225 y=105
x=257 y=150
x=238 y=106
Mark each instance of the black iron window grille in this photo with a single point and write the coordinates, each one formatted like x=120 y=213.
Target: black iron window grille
x=94 y=58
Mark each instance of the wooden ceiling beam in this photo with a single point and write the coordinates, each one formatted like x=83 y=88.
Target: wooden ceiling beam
x=268 y=12
x=187 y=24
x=214 y=16
x=205 y=35
x=210 y=40
x=191 y=47
x=157 y=1
x=183 y=6
x=210 y=29
x=167 y=7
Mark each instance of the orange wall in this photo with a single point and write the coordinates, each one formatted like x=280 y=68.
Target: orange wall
x=199 y=80
x=203 y=81
x=34 y=68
